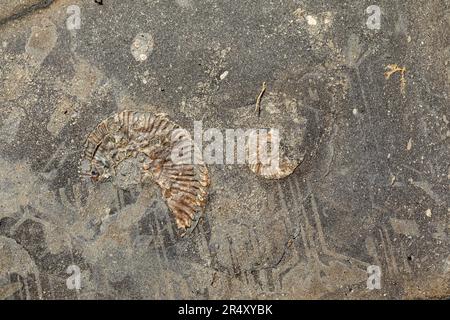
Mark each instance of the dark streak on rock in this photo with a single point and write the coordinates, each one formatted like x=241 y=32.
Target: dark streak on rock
x=38 y=6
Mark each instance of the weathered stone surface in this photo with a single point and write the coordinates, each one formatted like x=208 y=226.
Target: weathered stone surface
x=372 y=188
x=10 y=8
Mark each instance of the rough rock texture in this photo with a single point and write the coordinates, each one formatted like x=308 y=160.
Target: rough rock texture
x=16 y=8
x=372 y=188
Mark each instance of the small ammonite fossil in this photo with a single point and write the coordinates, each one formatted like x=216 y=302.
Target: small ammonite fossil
x=268 y=171
x=270 y=164
x=149 y=141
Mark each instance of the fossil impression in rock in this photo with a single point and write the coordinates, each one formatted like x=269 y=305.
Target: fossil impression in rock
x=284 y=169
x=270 y=164
x=145 y=142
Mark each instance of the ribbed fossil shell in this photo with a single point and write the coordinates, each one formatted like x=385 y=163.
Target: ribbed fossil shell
x=285 y=168
x=276 y=166
x=149 y=140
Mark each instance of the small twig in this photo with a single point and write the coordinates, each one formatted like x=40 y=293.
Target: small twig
x=258 y=99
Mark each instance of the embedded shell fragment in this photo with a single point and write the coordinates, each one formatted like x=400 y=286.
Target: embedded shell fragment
x=285 y=168
x=269 y=164
x=149 y=140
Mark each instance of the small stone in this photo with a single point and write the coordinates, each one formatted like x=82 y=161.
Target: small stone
x=224 y=75
x=409 y=144
x=393 y=178
x=428 y=213
x=142 y=46
x=311 y=20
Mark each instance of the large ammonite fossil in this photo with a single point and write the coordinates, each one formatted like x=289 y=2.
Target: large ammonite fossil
x=148 y=141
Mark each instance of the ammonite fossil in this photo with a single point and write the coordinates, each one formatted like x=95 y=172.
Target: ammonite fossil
x=146 y=142
x=270 y=164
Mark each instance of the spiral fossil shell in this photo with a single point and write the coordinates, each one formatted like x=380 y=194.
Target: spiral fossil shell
x=148 y=141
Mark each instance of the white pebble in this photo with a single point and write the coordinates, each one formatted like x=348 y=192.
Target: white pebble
x=223 y=75
x=311 y=20
x=409 y=144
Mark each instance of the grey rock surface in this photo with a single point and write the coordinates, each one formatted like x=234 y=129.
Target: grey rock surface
x=372 y=189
